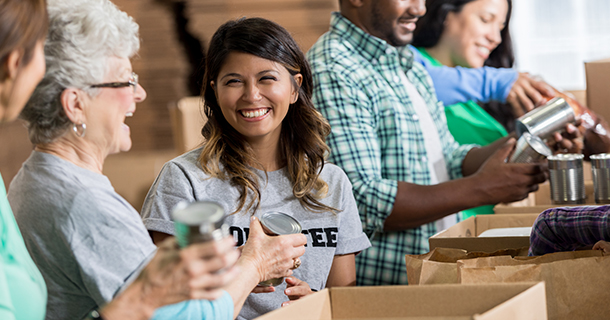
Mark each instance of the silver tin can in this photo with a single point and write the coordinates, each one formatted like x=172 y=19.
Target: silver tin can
x=199 y=221
x=600 y=168
x=278 y=223
x=567 y=178
x=530 y=149
x=545 y=120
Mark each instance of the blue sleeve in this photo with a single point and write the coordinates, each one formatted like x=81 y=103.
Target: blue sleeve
x=219 y=309
x=460 y=84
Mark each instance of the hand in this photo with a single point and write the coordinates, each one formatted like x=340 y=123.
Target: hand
x=602 y=245
x=498 y=181
x=295 y=290
x=192 y=273
x=175 y=275
x=570 y=141
x=272 y=256
x=528 y=93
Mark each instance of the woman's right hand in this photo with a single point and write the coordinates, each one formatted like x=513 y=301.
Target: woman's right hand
x=272 y=256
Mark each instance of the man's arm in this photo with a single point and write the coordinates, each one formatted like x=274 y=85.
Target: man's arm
x=485 y=84
x=356 y=149
x=493 y=182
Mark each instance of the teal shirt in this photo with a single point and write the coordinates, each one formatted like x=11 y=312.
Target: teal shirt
x=469 y=123
x=23 y=293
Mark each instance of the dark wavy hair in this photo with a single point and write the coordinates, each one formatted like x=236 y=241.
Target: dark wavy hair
x=430 y=27
x=303 y=131
x=22 y=24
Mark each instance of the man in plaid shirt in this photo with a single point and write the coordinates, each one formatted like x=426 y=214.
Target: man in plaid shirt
x=390 y=135
x=570 y=228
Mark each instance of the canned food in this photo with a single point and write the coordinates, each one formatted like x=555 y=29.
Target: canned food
x=600 y=167
x=567 y=178
x=274 y=224
x=199 y=221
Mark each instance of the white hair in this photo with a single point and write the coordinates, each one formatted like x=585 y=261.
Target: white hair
x=83 y=35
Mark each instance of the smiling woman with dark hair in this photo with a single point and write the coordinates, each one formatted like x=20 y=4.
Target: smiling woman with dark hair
x=265 y=152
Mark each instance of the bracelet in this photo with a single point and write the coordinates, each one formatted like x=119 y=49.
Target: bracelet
x=94 y=315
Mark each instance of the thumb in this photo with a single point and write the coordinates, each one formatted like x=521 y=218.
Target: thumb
x=255 y=227
x=502 y=153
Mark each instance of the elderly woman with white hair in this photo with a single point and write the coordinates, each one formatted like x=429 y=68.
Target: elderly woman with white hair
x=85 y=239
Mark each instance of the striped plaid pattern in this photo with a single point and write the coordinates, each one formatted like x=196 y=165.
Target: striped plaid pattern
x=376 y=137
x=569 y=228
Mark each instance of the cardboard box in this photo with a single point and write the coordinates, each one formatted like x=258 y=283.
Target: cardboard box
x=598 y=80
x=465 y=235
x=524 y=301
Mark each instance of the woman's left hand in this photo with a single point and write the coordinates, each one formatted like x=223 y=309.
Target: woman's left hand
x=295 y=289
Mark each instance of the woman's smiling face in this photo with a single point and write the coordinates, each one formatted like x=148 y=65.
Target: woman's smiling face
x=254 y=95
x=471 y=34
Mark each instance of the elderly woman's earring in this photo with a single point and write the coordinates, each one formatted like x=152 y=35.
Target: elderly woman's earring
x=79 y=129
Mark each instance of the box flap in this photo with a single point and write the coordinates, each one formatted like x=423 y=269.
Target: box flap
x=464 y=234
x=448 y=300
x=526 y=305
x=312 y=307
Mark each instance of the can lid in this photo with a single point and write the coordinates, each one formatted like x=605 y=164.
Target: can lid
x=537 y=144
x=280 y=223
x=196 y=213
x=565 y=161
x=601 y=160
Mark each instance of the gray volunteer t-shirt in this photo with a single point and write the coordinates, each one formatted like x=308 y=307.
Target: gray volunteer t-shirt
x=328 y=234
x=85 y=238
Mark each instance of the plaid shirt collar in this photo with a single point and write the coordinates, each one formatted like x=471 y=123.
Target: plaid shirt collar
x=369 y=47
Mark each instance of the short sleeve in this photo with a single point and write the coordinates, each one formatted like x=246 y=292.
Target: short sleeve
x=108 y=243
x=351 y=237
x=171 y=187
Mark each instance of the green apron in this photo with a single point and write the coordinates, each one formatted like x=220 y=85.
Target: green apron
x=470 y=124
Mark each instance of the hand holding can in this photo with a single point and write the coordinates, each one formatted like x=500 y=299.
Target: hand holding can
x=273 y=256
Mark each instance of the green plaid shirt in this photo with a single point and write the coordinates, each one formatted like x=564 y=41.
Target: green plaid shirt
x=376 y=137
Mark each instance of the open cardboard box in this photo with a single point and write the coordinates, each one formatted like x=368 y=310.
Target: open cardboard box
x=524 y=301
x=465 y=235
x=598 y=80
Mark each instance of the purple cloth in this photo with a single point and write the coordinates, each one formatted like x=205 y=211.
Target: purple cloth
x=569 y=228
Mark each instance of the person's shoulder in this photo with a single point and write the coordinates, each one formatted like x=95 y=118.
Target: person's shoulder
x=333 y=174
x=187 y=162
x=332 y=53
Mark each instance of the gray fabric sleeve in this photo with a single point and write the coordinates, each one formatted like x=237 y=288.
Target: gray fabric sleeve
x=107 y=248
x=351 y=237
x=172 y=186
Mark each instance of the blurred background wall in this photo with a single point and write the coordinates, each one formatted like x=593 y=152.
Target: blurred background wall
x=164 y=68
x=552 y=38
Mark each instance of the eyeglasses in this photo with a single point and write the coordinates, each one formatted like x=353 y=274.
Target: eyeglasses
x=133 y=82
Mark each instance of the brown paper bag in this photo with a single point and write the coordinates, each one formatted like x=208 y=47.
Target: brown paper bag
x=577 y=283
x=440 y=265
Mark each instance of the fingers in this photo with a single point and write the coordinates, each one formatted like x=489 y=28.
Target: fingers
x=602 y=245
x=543 y=87
x=262 y=289
x=208 y=249
x=502 y=153
x=256 y=229
x=211 y=281
x=296 y=288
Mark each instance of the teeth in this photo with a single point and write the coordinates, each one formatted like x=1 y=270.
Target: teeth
x=129 y=114
x=254 y=114
x=484 y=50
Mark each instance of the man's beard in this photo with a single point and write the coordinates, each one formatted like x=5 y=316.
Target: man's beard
x=384 y=27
